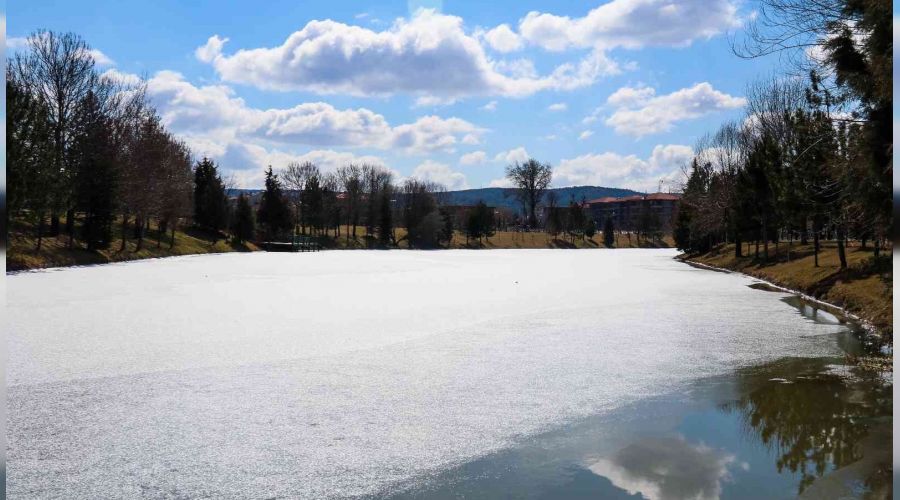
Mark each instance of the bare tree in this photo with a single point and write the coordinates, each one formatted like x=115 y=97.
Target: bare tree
x=531 y=179
x=58 y=70
x=350 y=178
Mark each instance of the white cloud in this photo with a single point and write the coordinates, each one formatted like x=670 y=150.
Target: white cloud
x=513 y=155
x=442 y=174
x=214 y=112
x=639 y=112
x=473 y=158
x=502 y=182
x=559 y=106
x=114 y=75
x=101 y=59
x=503 y=39
x=247 y=162
x=427 y=101
x=631 y=171
x=430 y=54
x=586 y=134
x=491 y=106
x=16 y=42
x=213 y=48
x=632 y=24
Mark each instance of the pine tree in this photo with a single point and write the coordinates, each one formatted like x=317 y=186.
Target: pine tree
x=210 y=199
x=274 y=214
x=243 y=226
x=609 y=235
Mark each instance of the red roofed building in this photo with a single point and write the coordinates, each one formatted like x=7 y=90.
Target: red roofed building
x=648 y=213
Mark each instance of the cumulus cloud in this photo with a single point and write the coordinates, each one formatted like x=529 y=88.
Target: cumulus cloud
x=100 y=59
x=116 y=76
x=632 y=24
x=440 y=173
x=213 y=48
x=585 y=135
x=503 y=39
x=491 y=106
x=559 y=106
x=246 y=161
x=429 y=54
x=667 y=469
x=216 y=113
x=631 y=171
x=473 y=158
x=639 y=111
x=513 y=155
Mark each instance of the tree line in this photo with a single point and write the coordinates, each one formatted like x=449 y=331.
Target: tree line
x=89 y=159
x=81 y=143
x=812 y=158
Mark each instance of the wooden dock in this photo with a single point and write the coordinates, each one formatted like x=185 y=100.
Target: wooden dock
x=297 y=244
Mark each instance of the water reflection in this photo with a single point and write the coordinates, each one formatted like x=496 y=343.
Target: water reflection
x=797 y=426
x=667 y=468
x=812 y=420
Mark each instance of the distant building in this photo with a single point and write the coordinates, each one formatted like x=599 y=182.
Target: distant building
x=649 y=212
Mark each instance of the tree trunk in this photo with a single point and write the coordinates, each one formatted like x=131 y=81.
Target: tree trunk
x=139 y=234
x=737 y=246
x=816 y=246
x=70 y=227
x=40 y=232
x=54 y=224
x=765 y=236
x=842 y=254
x=124 y=232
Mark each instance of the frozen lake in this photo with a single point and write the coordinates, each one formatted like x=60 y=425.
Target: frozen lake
x=353 y=373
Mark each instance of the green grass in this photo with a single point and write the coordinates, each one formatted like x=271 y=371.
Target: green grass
x=864 y=288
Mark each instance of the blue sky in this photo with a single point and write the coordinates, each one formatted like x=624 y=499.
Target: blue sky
x=610 y=93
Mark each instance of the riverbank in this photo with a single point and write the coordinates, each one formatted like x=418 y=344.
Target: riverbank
x=55 y=251
x=864 y=288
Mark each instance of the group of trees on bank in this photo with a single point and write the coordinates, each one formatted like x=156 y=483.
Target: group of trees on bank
x=83 y=145
x=812 y=159
x=90 y=160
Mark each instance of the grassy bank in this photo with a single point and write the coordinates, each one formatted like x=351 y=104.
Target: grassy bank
x=500 y=240
x=55 y=252
x=864 y=288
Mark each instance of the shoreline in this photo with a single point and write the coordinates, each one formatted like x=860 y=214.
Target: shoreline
x=20 y=259
x=869 y=334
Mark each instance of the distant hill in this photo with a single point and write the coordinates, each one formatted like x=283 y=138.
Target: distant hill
x=505 y=197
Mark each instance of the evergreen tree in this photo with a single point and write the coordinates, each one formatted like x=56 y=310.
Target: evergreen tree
x=480 y=222
x=243 y=226
x=590 y=227
x=210 y=199
x=274 y=214
x=96 y=178
x=609 y=234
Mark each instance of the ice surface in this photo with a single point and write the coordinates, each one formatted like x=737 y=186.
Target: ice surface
x=346 y=373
